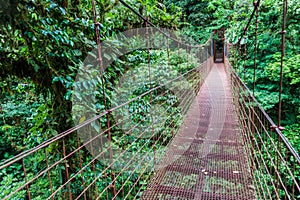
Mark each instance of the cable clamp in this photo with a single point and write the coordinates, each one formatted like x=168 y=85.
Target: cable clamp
x=282 y=32
x=256 y=4
x=273 y=127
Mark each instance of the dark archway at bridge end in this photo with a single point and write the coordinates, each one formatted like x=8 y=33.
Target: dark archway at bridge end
x=218 y=45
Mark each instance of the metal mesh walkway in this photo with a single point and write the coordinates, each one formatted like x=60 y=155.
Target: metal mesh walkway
x=206 y=159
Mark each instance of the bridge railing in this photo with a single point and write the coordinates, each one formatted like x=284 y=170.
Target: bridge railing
x=113 y=154
x=275 y=164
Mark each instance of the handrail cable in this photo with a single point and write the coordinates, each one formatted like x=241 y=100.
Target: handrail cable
x=77 y=127
x=113 y=175
x=88 y=121
x=283 y=32
x=278 y=131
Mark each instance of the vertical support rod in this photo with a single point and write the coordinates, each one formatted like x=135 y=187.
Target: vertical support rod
x=223 y=43
x=67 y=169
x=245 y=58
x=25 y=175
x=178 y=44
x=151 y=93
x=283 y=32
x=113 y=176
x=99 y=51
x=168 y=54
x=240 y=56
x=80 y=165
x=293 y=187
x=48 y=173
x=256 y=4
x=92 y=152
x=169 y=70
x=236 y=51
x=214 y=44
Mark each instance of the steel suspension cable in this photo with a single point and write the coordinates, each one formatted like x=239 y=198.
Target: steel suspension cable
x=67 y=155
x=248 y=23
x=154 y=26
x=283 y=32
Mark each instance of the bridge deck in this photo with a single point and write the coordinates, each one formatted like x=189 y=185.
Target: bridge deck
x=206 y=159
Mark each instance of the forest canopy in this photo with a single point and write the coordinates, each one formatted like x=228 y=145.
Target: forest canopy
x=44 y=41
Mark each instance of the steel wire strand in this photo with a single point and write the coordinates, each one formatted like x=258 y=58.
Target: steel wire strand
x=99 y=175
x=242 y=116
x=247 y=139
x=140 y=176
x=259 y=179
x=180 y=97
x=271 y=160
x=278 y=170
x=171 y=106
x=266 y=131
x=138 y=165
x=161 y=126
x=260 y=153
x=137 y=181
x=46 y=143
x=24 y=154
x=66 y=133
x=153 y=100
x=64 y=158
x=260 y=168
x=278 y=152
x=54 y=139
x=173 y=119
x=287 y=146
x=281 y=66
x=248 y=23
x=264 y=128
x=283 y=138
x=158 y=29
x=270 y=157
x=89 y=121
x=93 y=159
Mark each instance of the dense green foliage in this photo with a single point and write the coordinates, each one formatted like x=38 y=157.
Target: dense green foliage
x=205 y=16
x=44 y=42
x=268 y=58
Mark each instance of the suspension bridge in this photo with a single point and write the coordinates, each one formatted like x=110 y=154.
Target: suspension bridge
x=213 y=141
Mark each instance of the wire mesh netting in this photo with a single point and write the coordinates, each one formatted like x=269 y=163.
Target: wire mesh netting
x=274 y=163
x=113 y=151
x=210 y=163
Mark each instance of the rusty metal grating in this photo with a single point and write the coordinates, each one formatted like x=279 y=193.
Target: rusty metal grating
x=206 y=159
